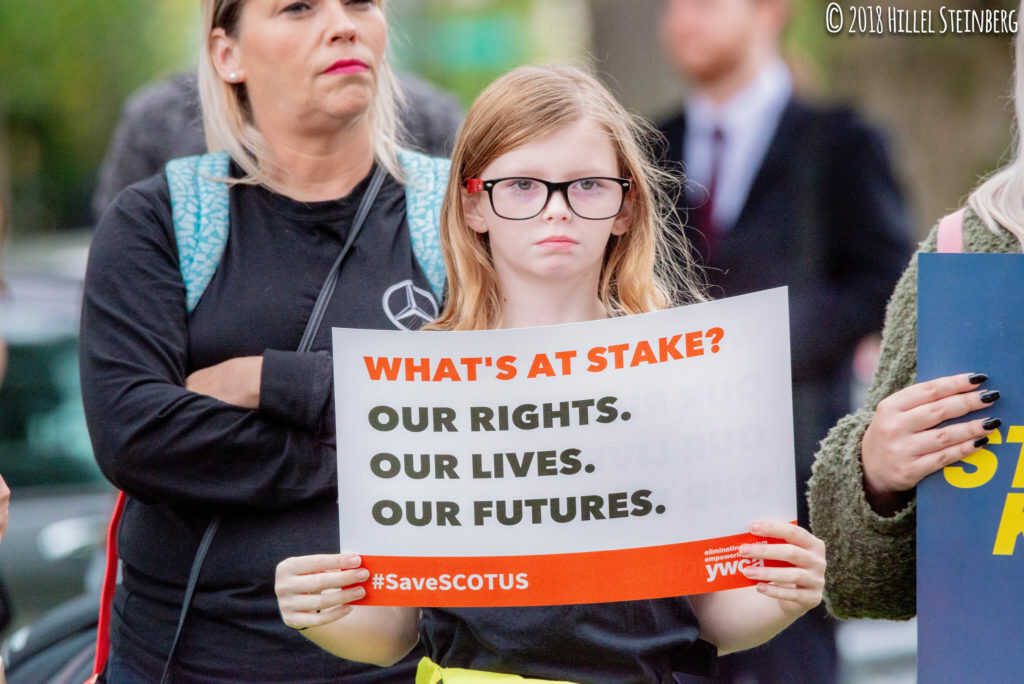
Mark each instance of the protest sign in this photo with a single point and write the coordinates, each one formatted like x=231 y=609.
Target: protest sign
x=970 y=516
x=601 y=461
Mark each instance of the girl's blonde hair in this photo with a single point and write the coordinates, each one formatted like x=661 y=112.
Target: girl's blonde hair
x=227 y=116
x=999 y=200
x=641 y=270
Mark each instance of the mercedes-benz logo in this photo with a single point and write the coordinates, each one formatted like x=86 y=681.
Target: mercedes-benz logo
x=409 y=307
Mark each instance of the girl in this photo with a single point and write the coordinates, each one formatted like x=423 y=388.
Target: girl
x=553 y=215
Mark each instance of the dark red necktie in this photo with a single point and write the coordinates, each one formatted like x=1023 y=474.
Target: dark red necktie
x=705 y=213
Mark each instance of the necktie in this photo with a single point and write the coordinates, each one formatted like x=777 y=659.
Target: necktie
x=705 y=213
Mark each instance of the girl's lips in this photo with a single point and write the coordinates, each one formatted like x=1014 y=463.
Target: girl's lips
x=557 y=241
x=347 y=66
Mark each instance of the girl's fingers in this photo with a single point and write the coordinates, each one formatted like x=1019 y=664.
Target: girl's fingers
x=304 y=565
x=305 y=620
x=807 y=598
x=322 y=601
x=921 y=418
x=799 y=577
x=794 y=534
x=788 y=553
x=933 y=390
x=319 y=583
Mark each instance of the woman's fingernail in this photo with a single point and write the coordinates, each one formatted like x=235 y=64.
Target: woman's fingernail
x=743 y=550
x=355 y=561
x=977 y=378
x=991 y=423
x=360 y=592
x=756 y=527
x=989 y=396
x=981 y=441
x=751 y=571
x=362 y=575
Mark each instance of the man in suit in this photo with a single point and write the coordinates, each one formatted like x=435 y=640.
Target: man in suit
x=783 y=193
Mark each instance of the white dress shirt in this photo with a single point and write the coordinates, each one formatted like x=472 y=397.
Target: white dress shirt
x=748 y=121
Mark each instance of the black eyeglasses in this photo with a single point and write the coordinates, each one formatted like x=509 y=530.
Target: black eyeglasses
x=519 y=198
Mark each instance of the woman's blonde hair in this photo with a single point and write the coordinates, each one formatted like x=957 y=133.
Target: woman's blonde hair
x=641 y=270
x=999 y=200
x=227 y=117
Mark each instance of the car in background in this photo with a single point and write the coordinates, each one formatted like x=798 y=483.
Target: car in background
x=60 y=502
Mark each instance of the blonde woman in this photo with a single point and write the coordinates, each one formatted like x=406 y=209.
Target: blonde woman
x=213 y=413
x=553 y=215
x=862 y=491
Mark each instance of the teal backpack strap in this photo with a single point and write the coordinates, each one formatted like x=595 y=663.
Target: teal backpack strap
x=426 y=179
x=200 y=208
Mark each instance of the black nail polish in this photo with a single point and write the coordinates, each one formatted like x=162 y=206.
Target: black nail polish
x=989 y=396
x=981 y=441
x=991 y=424
x=977 y=378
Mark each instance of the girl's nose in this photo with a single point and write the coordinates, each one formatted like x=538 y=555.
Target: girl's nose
x=557 y=208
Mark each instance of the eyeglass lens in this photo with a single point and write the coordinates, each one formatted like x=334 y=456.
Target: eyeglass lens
x=590 y=198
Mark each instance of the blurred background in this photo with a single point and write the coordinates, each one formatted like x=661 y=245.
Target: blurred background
x=941 y=100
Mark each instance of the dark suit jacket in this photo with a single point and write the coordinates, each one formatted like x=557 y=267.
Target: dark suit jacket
x=824 y=216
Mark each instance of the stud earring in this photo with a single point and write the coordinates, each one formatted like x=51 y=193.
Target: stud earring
x=233 y=76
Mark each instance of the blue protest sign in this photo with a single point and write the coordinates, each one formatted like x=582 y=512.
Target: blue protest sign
x=970 y=522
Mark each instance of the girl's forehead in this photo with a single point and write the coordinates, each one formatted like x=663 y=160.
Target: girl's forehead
x=577 y=149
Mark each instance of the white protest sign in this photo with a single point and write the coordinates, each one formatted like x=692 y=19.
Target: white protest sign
x=601 y=461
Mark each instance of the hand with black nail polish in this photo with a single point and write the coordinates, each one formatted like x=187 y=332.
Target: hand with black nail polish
x=902 y=445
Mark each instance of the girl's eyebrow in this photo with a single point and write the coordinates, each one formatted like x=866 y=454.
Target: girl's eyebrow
x=583 y=172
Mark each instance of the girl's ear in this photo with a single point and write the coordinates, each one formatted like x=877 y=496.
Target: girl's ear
x=225 y=56
x=625 y=218
x=472 y=206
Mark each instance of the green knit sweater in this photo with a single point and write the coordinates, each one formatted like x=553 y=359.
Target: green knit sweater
x=871 y=569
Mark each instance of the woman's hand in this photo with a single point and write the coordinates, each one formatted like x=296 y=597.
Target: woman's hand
x=316 y=590
x=235 y=381
x=798 y=588
x=902 y=444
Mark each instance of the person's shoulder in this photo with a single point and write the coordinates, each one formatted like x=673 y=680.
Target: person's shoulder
x=671 y=121
x=840 y=121
x=421 y=91
x=141 y=207
x=180 y=91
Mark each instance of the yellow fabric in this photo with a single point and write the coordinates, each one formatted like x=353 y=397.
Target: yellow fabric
x=430 y=672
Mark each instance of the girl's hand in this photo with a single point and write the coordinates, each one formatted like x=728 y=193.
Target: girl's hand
x=316 y=590
x=797 y=588
x=235 y=381
x=902 y=444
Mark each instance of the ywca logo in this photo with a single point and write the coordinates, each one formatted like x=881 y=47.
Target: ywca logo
x=409 y=307
x=727 y=568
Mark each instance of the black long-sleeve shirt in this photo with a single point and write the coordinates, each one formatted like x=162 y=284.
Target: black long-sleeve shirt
x=183 y=457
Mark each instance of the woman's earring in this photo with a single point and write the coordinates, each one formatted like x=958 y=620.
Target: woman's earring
x=233 y=77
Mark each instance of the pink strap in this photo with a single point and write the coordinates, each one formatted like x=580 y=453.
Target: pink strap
x=951 y=233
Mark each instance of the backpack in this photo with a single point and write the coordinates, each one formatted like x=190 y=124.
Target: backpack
x=62 y=645
x=200 y=208
x=950 y=239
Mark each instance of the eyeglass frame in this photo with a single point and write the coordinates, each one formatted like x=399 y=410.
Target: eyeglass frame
x=475 y=185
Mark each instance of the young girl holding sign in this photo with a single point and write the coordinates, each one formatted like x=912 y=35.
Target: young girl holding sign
x=554 y=215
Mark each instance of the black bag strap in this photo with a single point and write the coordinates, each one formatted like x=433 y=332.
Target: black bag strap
x=312 y=327
x=327 y=291
x=193 y=580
